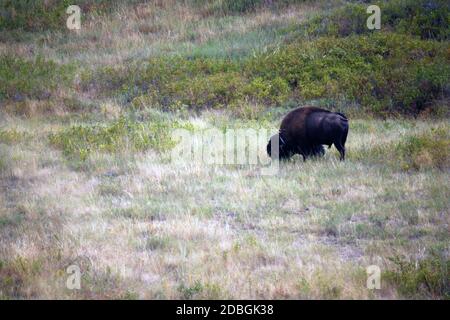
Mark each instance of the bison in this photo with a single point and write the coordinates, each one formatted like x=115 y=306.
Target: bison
x=305 y=130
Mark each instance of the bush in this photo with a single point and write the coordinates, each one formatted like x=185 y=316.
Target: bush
x=385 y=73
x=195 y=83
x=33 y=15
x=382 y=73
x=40 y=15
x=425 y=151
x=12 y=136
x=20 y=78
x=351 y=19
x=154 y=77
x=213 y=91
x=425 y=18
x=428 y=19
x=414 y=152
x=426 y=278
x=273 y=91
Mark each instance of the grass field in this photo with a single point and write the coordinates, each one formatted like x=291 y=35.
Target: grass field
x=86 y=176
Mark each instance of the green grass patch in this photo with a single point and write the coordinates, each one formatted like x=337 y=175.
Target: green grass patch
x=191 y=291
x=424 y=18
x=423 y=151
x=154 y=243
x=12 y=136
x=40 y=15
x=384 y=73
x=175 y=83
x=426 y=150
x=122 y=134
x=381 y=73
x=35 y=15
x=13 y=220
x=425 y=278
x=38 y=78
x=17 y=273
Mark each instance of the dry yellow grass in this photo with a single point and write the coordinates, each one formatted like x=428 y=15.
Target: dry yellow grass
x=141 y=227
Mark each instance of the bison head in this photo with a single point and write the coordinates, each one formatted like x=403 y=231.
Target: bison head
x=284 y=151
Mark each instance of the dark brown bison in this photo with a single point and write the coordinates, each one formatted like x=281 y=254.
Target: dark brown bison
x=305 y=130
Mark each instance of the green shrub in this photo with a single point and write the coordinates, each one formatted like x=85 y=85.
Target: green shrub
x=189 y=292
x=40 y=15
x=20 y=78
x=176 y=82
x=414 y=152
x=274 y=91
x=11 y=136
x=316 y=67
x=383 y=72
x=157 y=77
x=426 y=278
x=213 y=91
x=428 y=19
x=425 y=151
x=350 y=19
x=33 y=15
x=105 y=79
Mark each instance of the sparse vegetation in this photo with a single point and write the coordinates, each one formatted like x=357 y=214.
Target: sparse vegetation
x=382 y=74
x=38 y=79
x=426 y=150
x=121 y=135
x=12 y=136
x=423 y=18
x=426 y=277
x=39 y=15
x=414 y=152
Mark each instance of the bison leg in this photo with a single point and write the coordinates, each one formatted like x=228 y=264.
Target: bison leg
x=301 y=151
x=318 y=150
x=341 y=150
x=341 y=146
x=344 y=138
